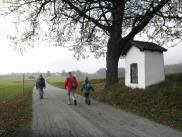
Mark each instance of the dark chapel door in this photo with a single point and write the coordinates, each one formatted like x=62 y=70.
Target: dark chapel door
x=134 y=73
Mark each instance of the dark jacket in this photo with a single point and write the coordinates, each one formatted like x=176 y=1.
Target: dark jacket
x=87 y=87
x=40 y=83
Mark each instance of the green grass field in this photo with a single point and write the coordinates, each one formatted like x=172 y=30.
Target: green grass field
x=15 y=106
x=11 y=86
x=161 y=102
x=57 y=81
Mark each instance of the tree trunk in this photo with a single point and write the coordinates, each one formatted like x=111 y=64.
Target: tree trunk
x=114 y=48
x=112 y=70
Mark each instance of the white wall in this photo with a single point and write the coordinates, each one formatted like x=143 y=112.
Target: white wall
x=134 y=55
x=150 y=67
x=154 y=66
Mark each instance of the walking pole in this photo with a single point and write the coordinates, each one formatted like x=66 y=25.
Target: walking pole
x=23 y=83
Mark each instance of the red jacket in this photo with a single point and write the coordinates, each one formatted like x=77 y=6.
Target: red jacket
x=68 y=83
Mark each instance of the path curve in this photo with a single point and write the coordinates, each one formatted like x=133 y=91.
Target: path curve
x=52 y=117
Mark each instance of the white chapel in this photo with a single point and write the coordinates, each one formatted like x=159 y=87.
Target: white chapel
x=144 y=64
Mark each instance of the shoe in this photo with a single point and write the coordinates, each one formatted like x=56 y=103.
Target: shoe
x=69 y=103
x=75 y=102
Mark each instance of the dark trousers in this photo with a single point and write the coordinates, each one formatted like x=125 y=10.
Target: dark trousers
x=87 y=98
x=41 y=93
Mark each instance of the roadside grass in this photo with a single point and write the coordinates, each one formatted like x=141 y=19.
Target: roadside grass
x=57 y=81
x=15 y=107
x=161 y=102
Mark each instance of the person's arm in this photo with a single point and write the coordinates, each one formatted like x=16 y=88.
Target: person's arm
x=44 y=84
x=83 y=86
x=37 y=84
x=76 y=82
x=65 y=83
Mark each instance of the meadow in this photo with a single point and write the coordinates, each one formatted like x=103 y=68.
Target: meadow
x=57 y=81
x=15 y=106
x=161 y=102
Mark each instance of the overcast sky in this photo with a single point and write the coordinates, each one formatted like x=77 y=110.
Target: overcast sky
x=55 y=59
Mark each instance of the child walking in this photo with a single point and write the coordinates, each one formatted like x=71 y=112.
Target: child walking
x=86 y=89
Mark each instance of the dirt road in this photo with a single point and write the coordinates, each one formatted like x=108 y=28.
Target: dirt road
x=52 y=117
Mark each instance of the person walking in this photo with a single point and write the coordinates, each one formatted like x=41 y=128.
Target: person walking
x=86 y=89
x=72 y=84
x=40 y=85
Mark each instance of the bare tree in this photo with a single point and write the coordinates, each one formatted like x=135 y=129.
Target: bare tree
x=90 y=23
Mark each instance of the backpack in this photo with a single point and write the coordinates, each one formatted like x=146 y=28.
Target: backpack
x=88 y=86
x=72 y=80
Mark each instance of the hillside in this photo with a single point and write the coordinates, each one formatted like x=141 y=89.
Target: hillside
x=175 y=68
x=169 y=69
x=102 y=71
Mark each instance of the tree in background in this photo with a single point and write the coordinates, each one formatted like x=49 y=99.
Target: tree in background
x=48 y=74
x=98 y=26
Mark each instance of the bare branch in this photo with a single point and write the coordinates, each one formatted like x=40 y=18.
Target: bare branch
x=82 y=13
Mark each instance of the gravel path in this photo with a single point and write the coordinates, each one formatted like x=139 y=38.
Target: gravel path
x=52 y=117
